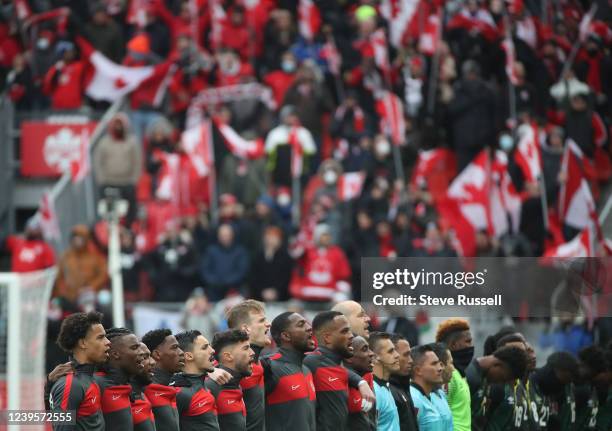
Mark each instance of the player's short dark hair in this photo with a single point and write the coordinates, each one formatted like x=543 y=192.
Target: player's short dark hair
x=376 y=337
x=240 y=314
x=75 y=327
x=418 y=353
x=490 y=344
x=396 y=338
x=279 y=325
x=155 y=337
x=323 y=319
x=563 y=361
x=224 y=339
x=515 y=358
x=113 y=334
x=510 y=338
x=186 y=339
x=594 y=357
x=441 y=351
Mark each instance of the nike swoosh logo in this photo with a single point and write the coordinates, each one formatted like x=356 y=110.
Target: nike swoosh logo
x=231 y=401
x=138 y=411
x=158 y=394
x=116 y=397
x=293 y=388
x=333 y=379
x=356 y=400
x=93 y=401
x=202 y=404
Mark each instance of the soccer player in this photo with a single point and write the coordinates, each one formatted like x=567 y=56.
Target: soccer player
x=400 y=385
x=83 y=336
x=357 y=317
x=438 y=396
x=508 y=407
x=386 y=362
x=142 y=411
x=195 y=404
x=455 y=333
x=250 y=316
x=505 y=365
x=553 y=385
x=290 y=392
x=235 y=356
x=591 y=367
x=331 y=379
x=169 y=359
x=362 y=363
x=426 y=378
x=124 y=362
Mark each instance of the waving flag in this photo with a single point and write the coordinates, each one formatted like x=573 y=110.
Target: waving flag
x=581 y=246
x=402 y=17
x=527 y=155
x=576 y=204
x=350 y=185
x=79 y=168
x=508 y=47
x=429 y=39
x=378 y=41
x=505 y=202
x=309 y=19
x=49 y=223
x=391 y=112
x=197 y=143
x=240 y=147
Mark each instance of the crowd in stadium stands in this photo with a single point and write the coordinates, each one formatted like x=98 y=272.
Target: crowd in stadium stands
x=333 y=373
x=362 y=86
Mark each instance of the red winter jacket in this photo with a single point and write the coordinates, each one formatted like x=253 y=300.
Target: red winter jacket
x=65 y=85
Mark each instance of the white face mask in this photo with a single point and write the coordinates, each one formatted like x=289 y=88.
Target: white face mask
x=42 y=43
x=383 y=147
x=506 y=143
x=284 y=200
x=330 y=177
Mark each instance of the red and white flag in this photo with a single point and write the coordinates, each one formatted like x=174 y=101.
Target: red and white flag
x=22 y=9
x=585 y=23
x=402 y=17
x=427 y=163
x=197 y=144
x=49 y=224
x=297 y=153
x=79 y=168
x=528 y=155
x=576 y=203
x=508 y=47
x=218 y=18
x=378 y=41
x=583 y=245
x=429 y=39
x=110 y=81
x=392 y=122
x=137 y=13
x=505 y=202
x=169 y=178
x=238 y=146
x=309 y=19
x=350 y=185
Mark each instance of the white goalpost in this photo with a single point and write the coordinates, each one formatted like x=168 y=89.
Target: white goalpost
x=24 y=301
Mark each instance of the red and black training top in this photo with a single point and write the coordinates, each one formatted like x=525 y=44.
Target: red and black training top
x=196 y=405
x=231 y=410
x=290 y=392
x=331 y=382
x=253 y=393
x=142 y=410
x=78 y=391
x=116 y=406
x=359 y=420
x=162 y=397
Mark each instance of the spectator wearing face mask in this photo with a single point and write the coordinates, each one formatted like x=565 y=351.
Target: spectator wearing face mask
x=117 y=161
x=231 y=69
x=324 y=183
x=280 y=80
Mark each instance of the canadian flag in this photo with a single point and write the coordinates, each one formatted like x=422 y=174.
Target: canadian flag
x=309 y=19
x=197 y=144
x=169 y=177
x=49 y=223
x=508 y=47
x=350 y=185
x=110 y=81
x=297 y=153
x=434 y=169
x=429 y=39
x=79 y=168
x=482 y=22
x=576 y=203
x=391 y=112
x=504 y=201
x=527 y=155
x=581 y=246
x=239 y=146
x=402 y=17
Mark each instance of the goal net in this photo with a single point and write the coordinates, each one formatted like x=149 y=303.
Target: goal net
x=24 y=300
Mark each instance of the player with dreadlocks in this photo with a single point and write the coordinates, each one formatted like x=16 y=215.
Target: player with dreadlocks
x=124 y=363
